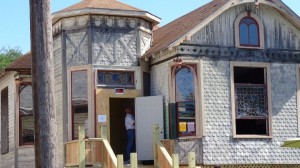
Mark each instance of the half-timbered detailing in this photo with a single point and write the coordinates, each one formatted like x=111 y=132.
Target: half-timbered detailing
x=146 y=39
x=77 y=46
x=115 y=47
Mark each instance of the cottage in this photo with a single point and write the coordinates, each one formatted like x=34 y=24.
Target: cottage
x=221 y=81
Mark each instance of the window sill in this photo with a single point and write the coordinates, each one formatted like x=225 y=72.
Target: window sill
x=252 y=136
x=25 y=146
x=190 y=137
x=245 y=47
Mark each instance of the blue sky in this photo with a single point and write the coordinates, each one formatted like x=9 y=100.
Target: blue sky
x=14 y=16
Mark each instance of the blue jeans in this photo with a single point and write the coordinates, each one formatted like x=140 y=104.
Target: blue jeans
x=130 y=145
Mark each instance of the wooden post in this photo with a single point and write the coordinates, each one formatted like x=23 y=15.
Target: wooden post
x=155 y=138
x=119 y=161
x=45 y=146
x=81 y=139
x=192 y=160
x=133 y=160
x=175 y=159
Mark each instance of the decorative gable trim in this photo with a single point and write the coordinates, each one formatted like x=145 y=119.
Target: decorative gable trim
x=281 y=7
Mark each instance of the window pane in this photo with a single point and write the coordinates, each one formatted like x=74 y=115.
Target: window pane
x=185 y=84
x=79 y=101
x=252 y=127
x=185 y=101
x=253 y=35
x=4 y=121
x=26 y=115
x=251 y=101
x=244 y=38
x=116 y=78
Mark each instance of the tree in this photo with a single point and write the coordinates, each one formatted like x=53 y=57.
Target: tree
x=45 y=144
x=7 y=56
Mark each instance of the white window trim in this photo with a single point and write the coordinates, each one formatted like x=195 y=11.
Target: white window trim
x=199 y=97
x=258 y=65
x=237 y=30
x=90 y=92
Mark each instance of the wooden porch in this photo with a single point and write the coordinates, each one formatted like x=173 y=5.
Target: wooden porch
x=97 y=152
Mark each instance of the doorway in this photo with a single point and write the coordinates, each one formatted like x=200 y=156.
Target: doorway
x=117 y=126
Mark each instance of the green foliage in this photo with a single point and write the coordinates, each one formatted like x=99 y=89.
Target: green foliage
x=7 y=56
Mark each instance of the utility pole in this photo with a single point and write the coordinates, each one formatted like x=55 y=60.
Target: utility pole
x=43 y=84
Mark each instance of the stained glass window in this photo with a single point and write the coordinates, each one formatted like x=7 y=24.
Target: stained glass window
x=185 y=100
x=249 y=32
x=116 y=78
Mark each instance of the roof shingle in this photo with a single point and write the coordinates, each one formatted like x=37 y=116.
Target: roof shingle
x=21 y=64
x=100 y=4
x=169 y=33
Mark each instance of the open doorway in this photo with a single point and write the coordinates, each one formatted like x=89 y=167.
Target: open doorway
x=117 y=126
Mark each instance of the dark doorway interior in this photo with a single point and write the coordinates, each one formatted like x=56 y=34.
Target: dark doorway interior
x=117 y=126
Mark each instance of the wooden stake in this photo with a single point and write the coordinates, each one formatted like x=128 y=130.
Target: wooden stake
x=120 y=161
x=175 y=159
x=155 y=139
x=43 y=84
x=133 y=160
x=81 y=133
x=192 y=160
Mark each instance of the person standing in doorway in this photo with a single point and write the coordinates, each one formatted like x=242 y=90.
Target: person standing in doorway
x=130 y=129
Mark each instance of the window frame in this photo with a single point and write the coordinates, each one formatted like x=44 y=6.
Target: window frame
x=4 y=133
x=24 y=82
x=114 y=86
x=268 y=96
x=261 y=39
x=90 y=95
x=199 y=106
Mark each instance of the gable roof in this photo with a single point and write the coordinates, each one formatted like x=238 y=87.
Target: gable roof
x=105 y=7
x=169 y=33
x=21 y=64
x=182 y=28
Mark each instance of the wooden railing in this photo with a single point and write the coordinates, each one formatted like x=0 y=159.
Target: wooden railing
x=162 y=158
x=92 y=151
x=163 y=151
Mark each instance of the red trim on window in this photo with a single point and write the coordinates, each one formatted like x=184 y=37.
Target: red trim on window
x=249 y=35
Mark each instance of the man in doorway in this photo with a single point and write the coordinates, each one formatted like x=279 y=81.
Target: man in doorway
x=130 y=129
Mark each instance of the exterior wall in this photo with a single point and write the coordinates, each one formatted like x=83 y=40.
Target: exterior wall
x=59 y=100
x=104 y=40
x=8 y=160
x=218 y=145
x=160 y=86
x=279 y=32
x=160 y=75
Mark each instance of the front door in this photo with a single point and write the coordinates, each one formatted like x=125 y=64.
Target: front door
x=148 y=111
x=117 y=126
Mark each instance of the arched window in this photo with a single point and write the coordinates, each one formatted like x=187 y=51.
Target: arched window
x=185 y=79
x=249 y=32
